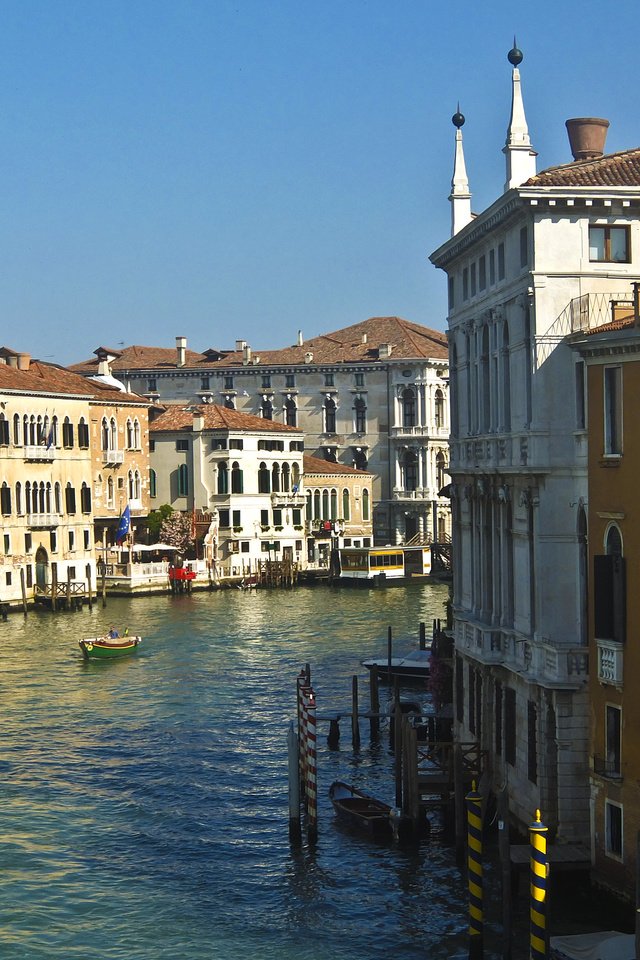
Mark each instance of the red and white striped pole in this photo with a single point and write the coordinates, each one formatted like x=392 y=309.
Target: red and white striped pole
x=312 y=771
x=302 y=726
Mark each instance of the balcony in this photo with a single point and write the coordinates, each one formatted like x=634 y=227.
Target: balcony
x=41 y=520
x=113 y=456
x=609 y=768
x=610 y=662
x=39 y=453
x=412 y=495
x=285 y=499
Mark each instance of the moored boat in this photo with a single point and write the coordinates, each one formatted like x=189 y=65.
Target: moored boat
x=108 y=648
x=362 y=811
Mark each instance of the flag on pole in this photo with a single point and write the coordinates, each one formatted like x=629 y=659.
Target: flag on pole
x=124 y=526
x=51 y=436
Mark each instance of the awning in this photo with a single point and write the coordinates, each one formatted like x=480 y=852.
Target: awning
x=151 y=547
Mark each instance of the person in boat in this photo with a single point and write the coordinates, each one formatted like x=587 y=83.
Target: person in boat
x=113 y=633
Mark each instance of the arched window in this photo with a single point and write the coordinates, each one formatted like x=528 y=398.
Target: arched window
x=110 y=491
x=295 y=477
x=237 y=485
x=325 y=504
x=291 y=413
x=113 y=434
x=83 y=434
x=266 y=409
x=438 y=405
x=346 y=505
x=104 y=434
x=309 y=506
x=334 y=505
x=223 y=478
x=410 y=470
x=317 y=512
x=264 y=479
x=506 y=379
x=135 y=485
x=275 y=478
x=329 y=415
x=365 y=504
x=16 y=429
x=613 y=545
x=360 y=408
x=408 y=408
x=85 y=498
x=57 y=498
x=137 y=444
x=153 y=492
x=129 y=434
x=47 y=498
x=70 y=499
x=18 y=498
x=286 y=473
x=67 y=433
x=183 y=480
x=5 y=499
x=440 y=465
x=4 y=431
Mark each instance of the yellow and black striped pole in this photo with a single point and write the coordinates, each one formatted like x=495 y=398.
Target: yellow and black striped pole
x=538 y=940
x=474 y=872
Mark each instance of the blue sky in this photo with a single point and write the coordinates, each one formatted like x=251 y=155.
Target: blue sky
x=246 y=169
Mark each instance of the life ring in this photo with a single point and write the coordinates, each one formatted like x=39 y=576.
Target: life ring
x=88 y=646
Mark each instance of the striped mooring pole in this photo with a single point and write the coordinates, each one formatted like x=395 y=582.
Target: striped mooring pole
x=312 y=772
x=538 y=940
x=474 y=872
x=303 y=690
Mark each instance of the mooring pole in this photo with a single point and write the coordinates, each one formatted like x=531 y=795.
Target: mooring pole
x=504 y=850
x=423 y=636
x=538 y=940
x=389 y=654
x=23 y=590
x=374 y=722
x=294 y=784
x=312 y=772
x=474 y=872
x=355 y=725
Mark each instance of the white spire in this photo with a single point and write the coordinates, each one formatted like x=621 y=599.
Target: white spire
x=460 y=197
x=521 y=158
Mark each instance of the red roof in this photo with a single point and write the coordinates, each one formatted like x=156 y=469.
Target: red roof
x=611 y=170
x=177 y=417
x=314 y=465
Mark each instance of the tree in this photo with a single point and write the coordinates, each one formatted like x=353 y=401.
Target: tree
x=177 y=531
x=156 y=518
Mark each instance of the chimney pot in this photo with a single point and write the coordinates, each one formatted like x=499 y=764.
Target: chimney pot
x=181 y=348
x=587 y=137
x=300 y=338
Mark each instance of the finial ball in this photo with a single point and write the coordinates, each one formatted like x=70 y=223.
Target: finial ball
x=515 y=56
x=457 y=119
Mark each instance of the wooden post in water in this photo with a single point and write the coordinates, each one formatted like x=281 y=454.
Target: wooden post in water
x=23 y=590
x=68 y=601
x=355 y=725
x=411 y=794
x=539 y=864
x=294 y=785
x=475 y=873
x=374 y=722
x=54 y=587
x=504 y=849
x=398 y=747
x=389 y=654
x=89 y=591
x=312 y=772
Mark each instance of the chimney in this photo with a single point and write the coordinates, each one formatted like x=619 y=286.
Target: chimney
x=12 y=360
x=240 y=345
x=181 y=347
x=308 y=358
x=104 y=367
x=587 y=136
x=246 y=354
x=198 y=422
x=300 y=338
x=384 y=351
x=24 y=361
x=364 y=337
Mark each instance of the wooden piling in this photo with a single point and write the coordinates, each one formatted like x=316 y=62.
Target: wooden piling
x=389 y=654
x=294 y=785
x=54 y=587
x=423 y=636
x=23 y=590
x=398 y=748
x=475 y=882
x=505 y=871
x=374 y=699
x=103 y=586
x=312 y=772
x=89 y=591
x=411 y=792
x=355 y=726
x=68 y=591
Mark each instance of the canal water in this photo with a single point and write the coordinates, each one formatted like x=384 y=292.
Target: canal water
x=144 y=810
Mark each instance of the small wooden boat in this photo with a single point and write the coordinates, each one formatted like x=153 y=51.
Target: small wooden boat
x=411 y=669
x=359 y=810
x=108 y=648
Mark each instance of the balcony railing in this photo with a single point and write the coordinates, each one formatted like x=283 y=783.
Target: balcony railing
x=35 y=520
x=39 y=452
x=609 y=768
x=283 y=499
x=610 y=661
x=113 y=456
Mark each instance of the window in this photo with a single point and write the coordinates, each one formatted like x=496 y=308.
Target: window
x=473 y=279
x=7 y=543
x=237 y=484
x=360 y=415
x=277 y=517
x=609 y=245
x=28 y=543
x=153 y=484
x=245 y=546
x=410 y=471
x=497 y=704
x=465 y=283
x=438 y=405
x=408 y=408
x=228 y=383
x=613 y=829
x=223 y=479
x=183 y=480
x=264 y=479
x=86 y=539
x=459 y=689
x=4 y=431
x=296 y=516
x=16 y=429
x=346 y=505
x=83 y=435
x=152 y=386
x=359 y=379
x=613 y=411
x=329 y=415
x=492 y=267
x=365 y=504
x=613 y=718
x=264 y=518
x=580 y=395
x=236 y=444
x=5 y=499
x=266 y=381
x=72 y=539
x=85 y=498
x=451 y=291
x=182 y=444
x=67 y=434
x=204 y=383
x=275 y=478
x=510 y=726
x=152 y=446
x=328 y=379
x=501 y=268
x=70 y=498
x=224 y=518
x=53 y=541
x=440 y=467
x=290 y=380
x=235 y=518
x=218 y=444
x=524 y=246
x=482 y=272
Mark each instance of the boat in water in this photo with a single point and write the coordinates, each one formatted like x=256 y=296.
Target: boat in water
x=366 y=813
x=411 y=669
x=108 y=648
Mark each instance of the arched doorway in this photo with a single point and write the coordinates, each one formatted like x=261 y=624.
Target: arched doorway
x=42 y=567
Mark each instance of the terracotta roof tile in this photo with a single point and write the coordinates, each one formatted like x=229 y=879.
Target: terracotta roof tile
x=49 y=378
x=612 y=170
x=178 y=417
x=314 y=465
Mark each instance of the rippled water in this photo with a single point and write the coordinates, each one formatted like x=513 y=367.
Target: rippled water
x=144 y=802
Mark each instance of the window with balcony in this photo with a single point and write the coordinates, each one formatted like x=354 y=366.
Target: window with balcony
x=408 y=402
x=609 y=244
x=237 y=482
x=360 y=410
x=609 y=589
x=329 y=414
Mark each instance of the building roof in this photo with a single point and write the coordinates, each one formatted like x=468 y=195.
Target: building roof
x=358 y=343
x=611 y=170
x=314 y=465
x=179 y=417
x=49 y=378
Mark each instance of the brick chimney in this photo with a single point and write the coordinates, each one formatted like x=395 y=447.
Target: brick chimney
x=587 y=137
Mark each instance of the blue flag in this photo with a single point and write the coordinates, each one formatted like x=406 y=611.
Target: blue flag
x=124 y=526
x=51 y=437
